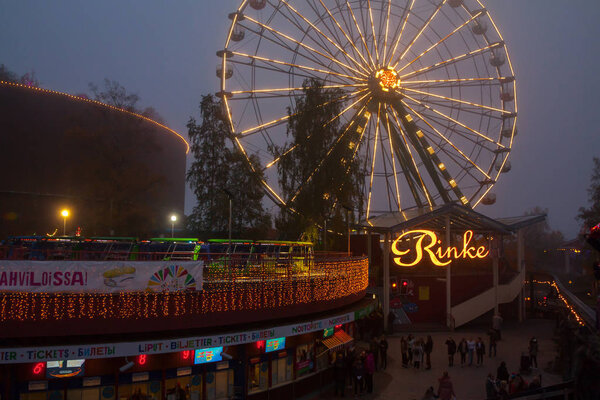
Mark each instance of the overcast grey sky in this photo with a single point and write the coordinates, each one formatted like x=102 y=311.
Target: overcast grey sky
x=165 y=51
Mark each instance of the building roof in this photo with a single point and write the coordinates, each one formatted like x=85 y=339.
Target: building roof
x=462 y=218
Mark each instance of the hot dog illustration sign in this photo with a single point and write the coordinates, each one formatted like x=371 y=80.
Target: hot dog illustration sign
x=99 y=276
x=427 y=244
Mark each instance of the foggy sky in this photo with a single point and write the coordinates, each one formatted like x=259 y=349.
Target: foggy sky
x=165 y=51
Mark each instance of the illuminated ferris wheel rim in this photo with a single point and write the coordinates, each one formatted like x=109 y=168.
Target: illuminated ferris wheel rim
x=376 y=75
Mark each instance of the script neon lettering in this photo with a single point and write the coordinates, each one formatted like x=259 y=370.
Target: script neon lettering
x=428 y=244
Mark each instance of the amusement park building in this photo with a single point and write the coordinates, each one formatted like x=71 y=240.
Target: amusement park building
x=111 y=168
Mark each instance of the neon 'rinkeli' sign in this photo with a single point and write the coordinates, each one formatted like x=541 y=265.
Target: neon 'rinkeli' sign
x=428 y=244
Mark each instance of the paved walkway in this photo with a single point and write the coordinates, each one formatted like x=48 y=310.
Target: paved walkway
x=469 y=382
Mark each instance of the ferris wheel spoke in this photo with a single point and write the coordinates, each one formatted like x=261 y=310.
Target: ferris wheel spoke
x=336 y=45
x=302 y=67
x=450 y=61
x=387 y=28
x=373 y=31
x=429 y=94
x=492 y=80
x=373 y=160
x=393 y=159
x=433 y=46
x=281 y=120
x=405 y=20
x=286 y=47
x=326 y=157
x=387 y=161
x=500 y=145
x=329 y=57
x=409 y=163
x=419 y=33
x=442 y=136
x=350 y=41
x=364 y=42
x=294 y=89
x=280 y=70
x=296 y=146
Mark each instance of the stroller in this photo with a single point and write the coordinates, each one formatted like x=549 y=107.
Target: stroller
x=525 y=367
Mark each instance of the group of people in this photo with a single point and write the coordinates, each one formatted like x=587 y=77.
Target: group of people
x=416 y=352
x=504 y=385
x=467 y=347
x=358 y=366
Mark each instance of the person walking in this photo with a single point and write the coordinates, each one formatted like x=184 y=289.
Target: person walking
x=451 y=344
x=491 y=387
x=480 y=351
x=492 y=347
x=463 y=349
x=369 y=371
x=533 y=352
x=471 y=350
x=502 y=373
x=445 y=388
x=428 y=348
x=404 y=351
x=497 y=325
x=383 y=348
x=339 y=370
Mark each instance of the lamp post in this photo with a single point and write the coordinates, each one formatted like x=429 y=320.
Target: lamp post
x=65 y=214
x=173 y=220
x=230 y=196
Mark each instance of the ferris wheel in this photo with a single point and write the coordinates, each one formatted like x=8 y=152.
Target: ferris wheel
x=427 y=87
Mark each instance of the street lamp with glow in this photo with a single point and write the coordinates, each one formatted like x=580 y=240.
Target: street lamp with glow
x=173 y=220
x=65 y=214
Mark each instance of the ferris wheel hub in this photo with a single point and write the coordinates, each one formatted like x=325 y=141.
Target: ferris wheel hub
x=387 y=78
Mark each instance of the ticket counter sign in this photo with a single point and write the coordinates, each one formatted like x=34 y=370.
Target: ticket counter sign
x=275 y=344
x=210 y=354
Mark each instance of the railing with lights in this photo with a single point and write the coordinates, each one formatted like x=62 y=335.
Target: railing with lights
x=579 y=312
x=265 y=286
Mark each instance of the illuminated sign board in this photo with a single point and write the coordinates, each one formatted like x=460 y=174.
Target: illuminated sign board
x=211 y=354
x=275 y=344
x=428 y=244
x=328 y=332
x=64 y=368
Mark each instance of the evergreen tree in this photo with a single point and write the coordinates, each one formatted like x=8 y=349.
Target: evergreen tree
x=591 y=216
x=322 y=173
x=217 y=168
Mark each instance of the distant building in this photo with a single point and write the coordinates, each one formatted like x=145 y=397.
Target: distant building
x=118 y=172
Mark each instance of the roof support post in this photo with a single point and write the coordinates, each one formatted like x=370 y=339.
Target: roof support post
x=520 y=261
x=495 y=259
x=449 y=317
x=386 y=280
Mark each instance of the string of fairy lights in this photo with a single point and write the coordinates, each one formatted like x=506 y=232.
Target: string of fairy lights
x=99 y=103
x=223 y=291
x=563 y=299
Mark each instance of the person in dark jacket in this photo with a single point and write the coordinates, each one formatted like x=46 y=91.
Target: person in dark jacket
x=463 y=349
x=480 y=351
x=502 y=372
x=533 y=351
x=339 y=369
x=404 y=351
x=369 y=371
x=383 y=348
x=491 y=387
x=427 y=349
x=359 y=375
x=451 y=351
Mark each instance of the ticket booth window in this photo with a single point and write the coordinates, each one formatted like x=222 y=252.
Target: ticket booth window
x=258 y=377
